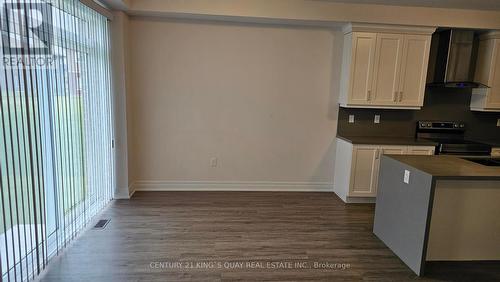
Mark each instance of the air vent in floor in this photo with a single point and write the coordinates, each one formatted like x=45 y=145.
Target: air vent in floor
x=101 y=224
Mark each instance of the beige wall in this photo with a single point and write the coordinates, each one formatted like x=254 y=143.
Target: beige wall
x=260 y=98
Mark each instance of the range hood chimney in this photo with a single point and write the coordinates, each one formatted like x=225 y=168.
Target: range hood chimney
x=452 y=59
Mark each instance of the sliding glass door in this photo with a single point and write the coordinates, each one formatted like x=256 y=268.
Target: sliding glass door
x=56 y=153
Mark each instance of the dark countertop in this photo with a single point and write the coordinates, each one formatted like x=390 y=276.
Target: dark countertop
x=381 y=140
x=449 y=167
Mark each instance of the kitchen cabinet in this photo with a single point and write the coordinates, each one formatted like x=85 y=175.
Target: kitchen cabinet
x=413 y=70
x=384 y=68
x=365 y=167
x=357 y=168
x=488 y=73
x=362 y=67
x=365 y=171
x=387 y=66
x=366 y=162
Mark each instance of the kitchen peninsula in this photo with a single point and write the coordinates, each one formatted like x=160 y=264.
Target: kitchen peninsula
x=438 y=208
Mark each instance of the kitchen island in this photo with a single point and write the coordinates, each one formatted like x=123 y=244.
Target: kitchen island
x=438 y=208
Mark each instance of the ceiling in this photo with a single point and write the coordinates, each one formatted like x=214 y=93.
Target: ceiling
x=458 y=4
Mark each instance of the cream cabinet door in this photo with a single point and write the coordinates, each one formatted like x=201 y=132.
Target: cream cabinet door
x=364 y=172
x=388 y=52
x=413 y=72
x=493 y=99
x=361 y=76
x=484 y=62
x=389 y=150
x=421 y=150
x=488 y=73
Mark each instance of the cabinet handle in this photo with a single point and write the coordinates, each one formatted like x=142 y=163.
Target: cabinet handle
x=395 y=96
x=400 y=96
x=377 y=155
x=369 y=95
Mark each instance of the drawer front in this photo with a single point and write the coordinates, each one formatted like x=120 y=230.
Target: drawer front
x=421 y=150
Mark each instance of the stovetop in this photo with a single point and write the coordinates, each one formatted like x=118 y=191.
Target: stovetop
x=450 y=135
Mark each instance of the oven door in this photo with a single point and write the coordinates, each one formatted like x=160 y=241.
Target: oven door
x=473 y=150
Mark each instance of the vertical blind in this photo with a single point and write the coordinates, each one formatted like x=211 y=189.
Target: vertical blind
x=56 y=168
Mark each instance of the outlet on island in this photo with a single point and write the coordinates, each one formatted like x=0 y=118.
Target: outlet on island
x=406 y=177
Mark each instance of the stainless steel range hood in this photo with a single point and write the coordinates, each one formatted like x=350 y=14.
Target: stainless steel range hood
x=452 y=59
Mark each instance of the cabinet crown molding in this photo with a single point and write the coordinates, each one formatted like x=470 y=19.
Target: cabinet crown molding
x=387 y=28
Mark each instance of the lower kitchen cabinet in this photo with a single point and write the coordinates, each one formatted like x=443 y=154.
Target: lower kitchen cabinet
x=357 y=167
x=364 y=171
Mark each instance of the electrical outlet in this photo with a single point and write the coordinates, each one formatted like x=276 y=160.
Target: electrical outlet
x=376 y=119
x=213 y=162
x=406 y=178
x=498 y=122
x=351 y=118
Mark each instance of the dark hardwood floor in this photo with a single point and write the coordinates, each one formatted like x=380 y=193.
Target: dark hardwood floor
x=282 y=234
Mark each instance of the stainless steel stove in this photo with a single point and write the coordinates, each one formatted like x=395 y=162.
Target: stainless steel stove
x=450 y=136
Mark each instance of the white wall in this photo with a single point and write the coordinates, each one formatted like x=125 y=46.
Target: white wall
x=260 y=98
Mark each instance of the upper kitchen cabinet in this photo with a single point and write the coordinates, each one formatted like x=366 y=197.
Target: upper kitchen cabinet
x=361 y=66
x=384 y=66
x=488 y=73
x=413 y=70
x=385 y=83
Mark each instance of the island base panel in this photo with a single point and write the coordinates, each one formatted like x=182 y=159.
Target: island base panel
x=465 y=222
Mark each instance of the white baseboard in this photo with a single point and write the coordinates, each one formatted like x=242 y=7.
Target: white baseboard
x=361 y=200
x=144 y=185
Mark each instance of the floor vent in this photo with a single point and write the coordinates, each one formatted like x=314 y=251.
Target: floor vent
x=101 y=224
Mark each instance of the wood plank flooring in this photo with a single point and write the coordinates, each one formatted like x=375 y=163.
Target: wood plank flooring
x=215 y=231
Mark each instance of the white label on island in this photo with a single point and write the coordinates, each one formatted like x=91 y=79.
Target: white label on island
x=406 y=178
